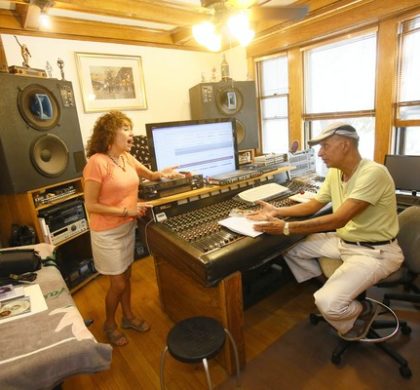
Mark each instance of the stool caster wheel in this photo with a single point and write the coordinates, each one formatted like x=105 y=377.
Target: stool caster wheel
x=313 y=319
x=335 y=359
x=405 y=329
x=405 y=372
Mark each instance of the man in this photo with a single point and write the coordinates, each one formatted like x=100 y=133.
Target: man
x=360 y=231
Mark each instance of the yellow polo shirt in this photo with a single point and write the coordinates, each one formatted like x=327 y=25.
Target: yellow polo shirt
x=372 y=183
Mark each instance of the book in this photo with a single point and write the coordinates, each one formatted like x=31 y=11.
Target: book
x=9 y=291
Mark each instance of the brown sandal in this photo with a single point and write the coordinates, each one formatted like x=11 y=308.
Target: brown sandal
x=136 y=324
x=115 y=337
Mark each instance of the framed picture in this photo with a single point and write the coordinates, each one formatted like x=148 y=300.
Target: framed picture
x=111 y=82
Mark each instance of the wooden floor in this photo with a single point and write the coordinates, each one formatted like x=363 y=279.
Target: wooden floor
x=136 y=365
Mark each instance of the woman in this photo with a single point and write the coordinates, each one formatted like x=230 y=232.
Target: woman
x=111 y=179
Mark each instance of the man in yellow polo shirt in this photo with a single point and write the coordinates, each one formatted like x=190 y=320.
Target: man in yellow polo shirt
x=360 y=231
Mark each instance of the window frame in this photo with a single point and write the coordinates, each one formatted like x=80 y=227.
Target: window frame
x=261 y=96
x=338 y=115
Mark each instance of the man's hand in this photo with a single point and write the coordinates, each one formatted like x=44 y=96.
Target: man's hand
x=274 y=226
x=264 y=213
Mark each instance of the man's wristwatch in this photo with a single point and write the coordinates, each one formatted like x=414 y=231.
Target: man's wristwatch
x=286 y=231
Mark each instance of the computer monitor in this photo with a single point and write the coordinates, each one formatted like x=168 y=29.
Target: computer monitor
x=206 y=147
x=405 y=171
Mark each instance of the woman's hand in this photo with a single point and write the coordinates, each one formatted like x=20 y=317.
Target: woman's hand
x=170 y=173
x=264 y=213
x=140 y=210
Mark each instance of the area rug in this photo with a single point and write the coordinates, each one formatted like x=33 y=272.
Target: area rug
x=301 y=359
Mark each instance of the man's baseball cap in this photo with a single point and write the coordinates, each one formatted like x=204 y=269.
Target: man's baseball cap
x=340 y=128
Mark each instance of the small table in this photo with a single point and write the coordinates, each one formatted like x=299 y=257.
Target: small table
x=41 y=350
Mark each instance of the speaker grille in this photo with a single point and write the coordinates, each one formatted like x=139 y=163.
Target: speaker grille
x=49 y=155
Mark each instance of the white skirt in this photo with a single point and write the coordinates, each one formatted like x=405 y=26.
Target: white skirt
x=113 y=250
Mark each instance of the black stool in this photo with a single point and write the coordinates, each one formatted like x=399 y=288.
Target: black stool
x=195 y=340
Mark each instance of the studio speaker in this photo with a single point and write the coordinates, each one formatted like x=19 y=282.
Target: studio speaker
x=40 y=139
x=228 y=99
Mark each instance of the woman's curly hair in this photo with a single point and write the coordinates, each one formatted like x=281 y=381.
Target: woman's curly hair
x=104 y=131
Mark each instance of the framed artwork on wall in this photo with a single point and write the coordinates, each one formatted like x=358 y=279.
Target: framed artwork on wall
x=111 y=82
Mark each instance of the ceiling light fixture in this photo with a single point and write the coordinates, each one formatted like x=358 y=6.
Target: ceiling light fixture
x=226 y=26
x=43 y=5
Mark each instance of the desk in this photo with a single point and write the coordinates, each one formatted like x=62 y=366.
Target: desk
x=192 y=282
x=41 y=350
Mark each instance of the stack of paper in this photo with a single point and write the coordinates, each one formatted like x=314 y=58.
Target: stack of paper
x=240 y=225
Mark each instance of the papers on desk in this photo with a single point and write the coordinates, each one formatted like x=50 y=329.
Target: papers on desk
x=33 y=302
x=304 y=197
x=241 y=225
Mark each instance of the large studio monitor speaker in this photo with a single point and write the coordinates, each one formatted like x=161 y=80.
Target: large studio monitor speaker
x=40 y=139
x=228 y=99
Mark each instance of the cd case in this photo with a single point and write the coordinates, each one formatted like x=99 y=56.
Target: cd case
x=9 y=291
x=33 y=302
x=15 y=307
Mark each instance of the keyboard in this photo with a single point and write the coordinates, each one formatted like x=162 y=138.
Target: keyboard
x=263 y=192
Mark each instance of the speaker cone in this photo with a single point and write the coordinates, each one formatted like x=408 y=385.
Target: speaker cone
x=240 y=131
x=49 y=155
x=229 y=100
x=38 y=107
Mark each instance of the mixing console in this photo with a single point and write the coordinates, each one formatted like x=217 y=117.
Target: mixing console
x=186 y=232
x=200 y=228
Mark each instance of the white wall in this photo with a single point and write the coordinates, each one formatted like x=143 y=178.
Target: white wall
x=168 y=74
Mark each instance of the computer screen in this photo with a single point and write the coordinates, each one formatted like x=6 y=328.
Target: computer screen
x=206 y=147
x=405 y=171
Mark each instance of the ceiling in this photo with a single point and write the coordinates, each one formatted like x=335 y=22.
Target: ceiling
x=145 y=22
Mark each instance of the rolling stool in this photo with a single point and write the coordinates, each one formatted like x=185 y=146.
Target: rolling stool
x=328 y=266
x=195 y=340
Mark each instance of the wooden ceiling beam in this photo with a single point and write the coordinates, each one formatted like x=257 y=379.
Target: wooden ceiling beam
x=150 y=11
x=29 y=15
x=357 y=15
x=182 y=35
x=87 y=31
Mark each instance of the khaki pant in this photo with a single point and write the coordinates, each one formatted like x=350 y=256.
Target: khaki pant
x=362 y=268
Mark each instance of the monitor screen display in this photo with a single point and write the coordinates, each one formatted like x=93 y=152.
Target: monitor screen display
x=206 y=147
x=405 y=171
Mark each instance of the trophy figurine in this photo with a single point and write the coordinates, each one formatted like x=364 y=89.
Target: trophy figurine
x=24 y=52
x=25 y=69
x=49 y=69
x=60 y=64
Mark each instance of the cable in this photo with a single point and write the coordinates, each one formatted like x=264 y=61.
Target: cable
x=145 y=235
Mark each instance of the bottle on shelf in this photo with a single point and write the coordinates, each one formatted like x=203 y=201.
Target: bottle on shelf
x=224 y=69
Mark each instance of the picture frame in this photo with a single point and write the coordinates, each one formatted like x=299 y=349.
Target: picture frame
x=111 y=82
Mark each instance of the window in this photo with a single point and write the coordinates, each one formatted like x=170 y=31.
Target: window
x=407 y=134
x=273 y=86
x=407 y=140
x=365 y=128
x=340 y=86
x=409 y=96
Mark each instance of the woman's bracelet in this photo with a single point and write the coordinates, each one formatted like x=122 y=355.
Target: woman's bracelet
x=125 y=212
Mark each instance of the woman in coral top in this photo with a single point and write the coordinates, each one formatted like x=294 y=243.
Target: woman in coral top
x=111 y=179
